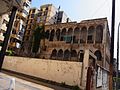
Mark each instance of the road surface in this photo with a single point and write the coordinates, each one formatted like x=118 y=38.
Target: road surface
x=12 y=83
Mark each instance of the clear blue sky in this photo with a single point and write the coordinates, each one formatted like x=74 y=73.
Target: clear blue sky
x=79 y=10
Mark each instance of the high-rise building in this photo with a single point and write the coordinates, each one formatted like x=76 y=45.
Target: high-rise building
x=47 y=15
x=4 y=19
x=27 y=40
x=62 y=17
x=19 y=26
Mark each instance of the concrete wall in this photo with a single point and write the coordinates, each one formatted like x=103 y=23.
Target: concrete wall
x=58 y=71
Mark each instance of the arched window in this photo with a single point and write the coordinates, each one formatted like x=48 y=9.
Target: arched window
x=63 y=34
x=60 y=54
x=54 y=54
x=81 y=55
x=90 y=37
x=47 y=33
x=66 y=54
x=58 y=34
x=83 y=35
x=52 y=35
x=74 y=55
x=98 y=55
x=69 y=37
x=99 y=34
x=76 y=35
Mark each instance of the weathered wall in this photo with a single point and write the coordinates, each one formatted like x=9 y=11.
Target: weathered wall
x=58 y=71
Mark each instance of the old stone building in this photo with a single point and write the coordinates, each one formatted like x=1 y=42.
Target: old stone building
x=67 y=41
x=86 y=43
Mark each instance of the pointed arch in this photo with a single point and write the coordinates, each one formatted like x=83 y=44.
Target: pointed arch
x=60 y=54
x=98 y=55
x=83 y=35
x=99 y=34
x=74 y=55
x=63 y=34
x=58 y=34
x=54 y=54
x=76 y=36
x=90 y=35
x=66 y=54
x=52 y=34
x=47 y=33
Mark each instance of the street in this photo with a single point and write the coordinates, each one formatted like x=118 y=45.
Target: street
x=12 y=83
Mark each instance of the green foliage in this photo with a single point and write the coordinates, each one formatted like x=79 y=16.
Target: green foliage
x=39 y=34
x=115 y=79
x=9 y=53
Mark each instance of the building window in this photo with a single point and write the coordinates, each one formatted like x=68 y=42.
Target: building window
x=46 y=8
x=47 y=34
x=52 y=35
x=54 y=54
x=76 y=35
x=63 y=34
x=81 y=55
x=60 y=54
x=90 y=37
x=13 y=31
x=58 y=34
x=32 y=15
x=98 y=55
x=99 y=34
x=39 y=14
x=69 y=36
x=5 y=21
x=25 y=12
x=74 y=55
x=45 y=13
x=83 y=35
x=33 y=11
x=66 y=54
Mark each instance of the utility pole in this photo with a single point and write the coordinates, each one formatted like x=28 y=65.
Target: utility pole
x=117 y=56
x=7 y=35
x=112 y=46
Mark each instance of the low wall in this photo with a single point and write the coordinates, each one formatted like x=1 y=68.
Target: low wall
x=58 y=71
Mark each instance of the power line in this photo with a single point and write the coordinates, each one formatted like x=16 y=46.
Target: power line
x=101 y=7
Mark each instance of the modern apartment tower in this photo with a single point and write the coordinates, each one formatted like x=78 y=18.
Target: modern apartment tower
x=47 y=14
x=19 y=26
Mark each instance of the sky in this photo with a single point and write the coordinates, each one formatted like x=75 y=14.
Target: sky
x=79 y=10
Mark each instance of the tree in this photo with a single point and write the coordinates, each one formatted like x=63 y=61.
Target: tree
x=38 y=35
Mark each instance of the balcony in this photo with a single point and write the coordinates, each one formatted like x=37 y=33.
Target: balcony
x=5 y=5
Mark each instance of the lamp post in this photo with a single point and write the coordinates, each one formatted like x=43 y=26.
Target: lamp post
x=7 y=35
x=112 y=46
x=118 y=55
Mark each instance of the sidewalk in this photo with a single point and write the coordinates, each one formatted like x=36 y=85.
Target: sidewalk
x=12 y=83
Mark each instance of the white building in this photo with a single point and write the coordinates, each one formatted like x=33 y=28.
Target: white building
x=4 y=19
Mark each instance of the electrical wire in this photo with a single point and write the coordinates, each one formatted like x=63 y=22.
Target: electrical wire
x=101 y=7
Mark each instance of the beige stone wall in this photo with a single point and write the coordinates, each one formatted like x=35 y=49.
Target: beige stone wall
x=58 y=71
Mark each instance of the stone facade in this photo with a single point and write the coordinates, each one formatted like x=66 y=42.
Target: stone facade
x=67 y=41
